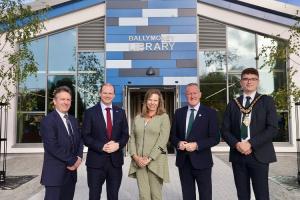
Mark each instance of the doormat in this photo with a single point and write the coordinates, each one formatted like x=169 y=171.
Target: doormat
x=12 y=182
x=288 y=182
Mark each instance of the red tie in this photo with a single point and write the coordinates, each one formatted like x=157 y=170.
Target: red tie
x=108 y=123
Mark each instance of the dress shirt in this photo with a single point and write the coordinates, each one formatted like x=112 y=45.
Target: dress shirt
x=189 y=113
x=62 y=116
x=103 y=106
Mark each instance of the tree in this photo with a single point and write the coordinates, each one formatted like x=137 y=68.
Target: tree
x=274 y=55
x=18 y=25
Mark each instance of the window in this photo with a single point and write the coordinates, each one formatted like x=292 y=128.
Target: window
x=220 y=68
x=60 y=63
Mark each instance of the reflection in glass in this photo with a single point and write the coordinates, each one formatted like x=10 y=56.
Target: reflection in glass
x=283 y=127
x=241 y=47
x=29 y=127
x=267 y=43
x=60 y=80
x=38 y=48
x=91 y=76
x=234 y=86
x=62 y=51
x=212 y=72
x=32 y=93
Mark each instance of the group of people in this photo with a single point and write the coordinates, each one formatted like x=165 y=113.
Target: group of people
x=249 y=125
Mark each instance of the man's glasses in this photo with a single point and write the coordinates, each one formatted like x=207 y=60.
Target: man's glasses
x=250 y=79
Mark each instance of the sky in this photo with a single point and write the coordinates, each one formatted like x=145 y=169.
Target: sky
x=294 y=2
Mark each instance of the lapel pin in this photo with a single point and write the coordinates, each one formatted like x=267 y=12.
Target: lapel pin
x=200 y=115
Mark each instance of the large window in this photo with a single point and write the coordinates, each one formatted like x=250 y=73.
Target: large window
x=220 y=70
x=60 y=62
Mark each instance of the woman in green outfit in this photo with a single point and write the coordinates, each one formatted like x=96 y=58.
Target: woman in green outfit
x=148 y=147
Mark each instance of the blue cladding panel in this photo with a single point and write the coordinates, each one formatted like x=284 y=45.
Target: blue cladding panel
x=172 y=21
x=136 y=80
x=118 y=98
x=124 y=12
x=112 y=72
x=183 y=29
x=180 y=53
x=172 y=72
x=70 y=6
x=114 y=55
x=172 y=4
x=180 y=46
x=184 y=55
x=154 y=63
x=111 y=30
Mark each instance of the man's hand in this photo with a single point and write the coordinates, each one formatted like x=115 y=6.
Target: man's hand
x=244 y=147
x=191 y=146
x=111 y=147
x=182 y=145
x=76 y=164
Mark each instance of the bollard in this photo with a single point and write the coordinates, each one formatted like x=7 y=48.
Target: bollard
x=297 y=105
x=3 y=140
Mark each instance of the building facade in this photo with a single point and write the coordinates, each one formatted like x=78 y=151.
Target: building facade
x=166 y=44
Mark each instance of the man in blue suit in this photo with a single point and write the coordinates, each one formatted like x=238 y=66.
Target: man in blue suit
x=194 y=131
x=249 y=126
x=105 y=133
x=63 y=148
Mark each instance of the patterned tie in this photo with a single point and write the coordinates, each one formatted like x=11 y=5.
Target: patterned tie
x=108 y=123
x=190 y=124
x=244 y=128
x=70 y=131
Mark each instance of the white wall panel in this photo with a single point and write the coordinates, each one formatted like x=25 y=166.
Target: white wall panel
x=133 y=21
x=179 y=80
x=160 y=12
x=118 y=63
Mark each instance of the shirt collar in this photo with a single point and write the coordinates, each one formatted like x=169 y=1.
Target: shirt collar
x=195 y=107
x=103 y=106
x=252 y=95
x=62 y=115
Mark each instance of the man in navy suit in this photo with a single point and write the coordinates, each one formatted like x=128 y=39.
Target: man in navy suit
x=194 y=131
x=249 y=126
x=105 y=132
x=63 y=148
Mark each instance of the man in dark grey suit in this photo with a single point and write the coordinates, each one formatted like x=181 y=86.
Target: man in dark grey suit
x=249 y=126
x=63 y=148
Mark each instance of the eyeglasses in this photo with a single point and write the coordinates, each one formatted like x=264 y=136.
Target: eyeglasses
x=250 y=79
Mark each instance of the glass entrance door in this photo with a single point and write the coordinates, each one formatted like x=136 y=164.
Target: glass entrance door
x=135 y=97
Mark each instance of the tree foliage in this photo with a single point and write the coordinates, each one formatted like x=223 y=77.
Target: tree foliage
x=277 y=53
x=18 y=25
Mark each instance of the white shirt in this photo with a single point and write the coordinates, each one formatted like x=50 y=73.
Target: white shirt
x=252 y=95
x=103 y=106
x=189 y=113
x=62 y=116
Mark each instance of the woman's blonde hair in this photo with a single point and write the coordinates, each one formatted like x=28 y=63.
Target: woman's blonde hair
x=161 y=106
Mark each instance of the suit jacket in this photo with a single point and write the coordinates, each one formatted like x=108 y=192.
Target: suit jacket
x=204 y=131
x=95 y=136
x=263 y=128
x=58 y=150
x=151 y=141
